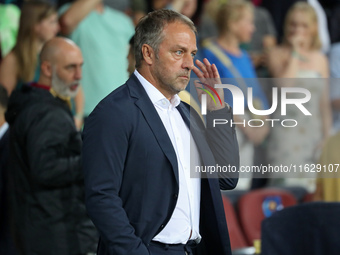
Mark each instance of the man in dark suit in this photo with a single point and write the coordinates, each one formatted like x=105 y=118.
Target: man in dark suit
x=139 y=148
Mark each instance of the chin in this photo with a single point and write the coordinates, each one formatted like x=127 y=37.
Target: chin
x=72 y=93
x=181 y=88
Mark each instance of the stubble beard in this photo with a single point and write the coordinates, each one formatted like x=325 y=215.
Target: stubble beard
x=172 y=85
x=61 y=87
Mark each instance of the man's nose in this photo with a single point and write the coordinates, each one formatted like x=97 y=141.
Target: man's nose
x=188 y=61
x=78 y=73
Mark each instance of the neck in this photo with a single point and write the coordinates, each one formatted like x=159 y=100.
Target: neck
x=100 y=8
x=230 y=43
x=146 y=73
x=44 y=81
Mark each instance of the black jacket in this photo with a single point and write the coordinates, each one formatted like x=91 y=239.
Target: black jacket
x=45 y=179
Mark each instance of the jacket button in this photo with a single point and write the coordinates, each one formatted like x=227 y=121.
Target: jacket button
x=175 y=196
x=162 y=226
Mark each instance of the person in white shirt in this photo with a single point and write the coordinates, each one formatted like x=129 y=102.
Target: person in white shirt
x=141 y=144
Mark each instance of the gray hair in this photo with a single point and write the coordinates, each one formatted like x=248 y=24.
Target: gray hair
x=150 y=28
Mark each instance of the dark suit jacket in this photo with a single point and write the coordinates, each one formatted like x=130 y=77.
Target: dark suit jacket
x=131 y=172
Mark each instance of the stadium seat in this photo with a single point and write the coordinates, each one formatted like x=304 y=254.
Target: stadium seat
x=237 y=239
x=258 y=204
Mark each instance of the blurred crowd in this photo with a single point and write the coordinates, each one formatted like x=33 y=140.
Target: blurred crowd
x=295 y=42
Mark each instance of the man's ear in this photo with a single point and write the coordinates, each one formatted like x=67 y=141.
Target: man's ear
x=148 y=54
x=46 y=69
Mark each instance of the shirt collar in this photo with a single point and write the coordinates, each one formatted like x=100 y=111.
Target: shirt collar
x=40 y=86
x=156 y=97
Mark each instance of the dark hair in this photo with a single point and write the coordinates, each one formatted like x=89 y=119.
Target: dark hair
x=132 y=43
x=150 y=28
x=3 y=97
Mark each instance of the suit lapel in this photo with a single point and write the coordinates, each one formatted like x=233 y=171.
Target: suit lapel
x=193 y=121
x=151 y=116
x=197 y=133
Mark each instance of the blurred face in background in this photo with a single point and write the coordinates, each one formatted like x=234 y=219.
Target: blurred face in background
x=189 y=8
x=243 y=28
x=301 y=25
x=47 y=28
x=67 y=72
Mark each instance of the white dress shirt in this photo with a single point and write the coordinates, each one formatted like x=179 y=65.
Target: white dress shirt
x=185 y=218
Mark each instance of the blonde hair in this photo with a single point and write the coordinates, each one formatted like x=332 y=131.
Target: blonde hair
x=25 y=50
x=232 y=11
x=309 y=10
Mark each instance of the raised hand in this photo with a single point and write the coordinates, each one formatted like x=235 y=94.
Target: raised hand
x=208 y=76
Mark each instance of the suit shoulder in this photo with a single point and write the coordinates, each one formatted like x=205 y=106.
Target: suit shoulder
x=116 y=109
x=117 y=100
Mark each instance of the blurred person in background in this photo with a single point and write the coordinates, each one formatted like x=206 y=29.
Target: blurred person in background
x=300 y=56
x=48 y=214
x=190 y=8
x=235 y=23
x=328 y=185
x=263 y=39
x=207 y=27
x=323 y=30
x=103 y=35
x=334 y=62
x=38 y=24
x=279 y=9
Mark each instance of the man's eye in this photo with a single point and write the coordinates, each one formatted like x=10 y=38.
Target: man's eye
x=179 y=52
x=193 y=55
x=70 y=68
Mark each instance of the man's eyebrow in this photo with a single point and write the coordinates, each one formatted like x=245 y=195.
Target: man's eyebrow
x=184 y=48
x=74 y=64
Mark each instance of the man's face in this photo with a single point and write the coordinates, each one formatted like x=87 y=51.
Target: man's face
x=175 y=60
x=67 y=73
